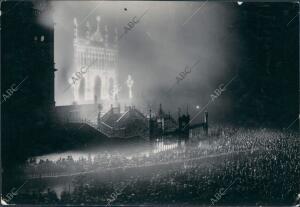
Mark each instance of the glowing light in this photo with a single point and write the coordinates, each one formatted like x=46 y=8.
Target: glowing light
x=197 y=107
x=163 y=147
x=70 y=81
x=75 y=21
x=240 y=3
x=130 y=84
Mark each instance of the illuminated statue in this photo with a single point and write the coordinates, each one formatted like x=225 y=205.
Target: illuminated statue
x=129 y=85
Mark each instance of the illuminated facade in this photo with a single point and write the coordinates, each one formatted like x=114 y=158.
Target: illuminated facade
x=97 y=53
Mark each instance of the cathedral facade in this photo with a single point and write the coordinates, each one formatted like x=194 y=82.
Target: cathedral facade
x=96 y=60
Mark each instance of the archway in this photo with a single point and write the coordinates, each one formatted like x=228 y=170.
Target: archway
x=97 y=88
x=82 y=89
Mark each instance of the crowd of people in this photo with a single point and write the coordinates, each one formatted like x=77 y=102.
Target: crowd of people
x=232 y=141
x=267 y=173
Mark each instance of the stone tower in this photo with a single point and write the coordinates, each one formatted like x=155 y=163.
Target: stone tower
x=98 y=55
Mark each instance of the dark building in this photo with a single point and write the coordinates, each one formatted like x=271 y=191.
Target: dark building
x=164 y=126
x=27 y=77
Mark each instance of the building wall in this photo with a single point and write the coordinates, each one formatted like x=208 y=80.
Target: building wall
x=99 y=58
x=27 y=61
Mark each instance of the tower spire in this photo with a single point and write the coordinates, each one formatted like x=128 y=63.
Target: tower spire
x=88 y=31
x=75 y=29
x=116 y=37
x=160 y=110
x=97 y=36
x=98 y=23
x=106 y=36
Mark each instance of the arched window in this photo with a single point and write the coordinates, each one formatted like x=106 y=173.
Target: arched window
x=97 y=88
x=110 y=87
x=42 y=38
x=82 y=89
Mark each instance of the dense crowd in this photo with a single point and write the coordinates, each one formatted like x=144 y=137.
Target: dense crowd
x=232 y=141
x=268 y=172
